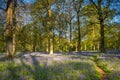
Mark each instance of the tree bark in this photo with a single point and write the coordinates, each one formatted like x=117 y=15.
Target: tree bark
x=102 y=37
x=9 y=30
x=76 y=47
x=70 y=37
x=79 y=34
x=51 y=31
x=14 y=25
x=60 y=34
x=47 y=46
x=53 y=40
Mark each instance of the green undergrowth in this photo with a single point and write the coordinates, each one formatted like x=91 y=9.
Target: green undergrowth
x=110 y=64
x=83 y=69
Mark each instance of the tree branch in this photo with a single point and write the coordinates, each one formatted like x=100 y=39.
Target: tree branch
x=94 y=3
x=106 y=14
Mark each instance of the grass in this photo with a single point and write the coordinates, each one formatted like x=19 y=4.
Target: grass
x=74 y=69
x=111 y=65
x=77 y=67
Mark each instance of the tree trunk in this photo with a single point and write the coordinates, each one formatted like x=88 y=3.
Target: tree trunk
x=100 y=13
x=76 y=46
x=51 y=31
x=48 y=43
x=14 y=43
x=79 y=34
x=51 y=46
x=34 y=46
x=9 y=30
x=47 y=50
x=98 y=46
x=60 y=39
x=70 y=38
x=94 y=48
x=14 y=25
x=53 y=41
x=102 y=41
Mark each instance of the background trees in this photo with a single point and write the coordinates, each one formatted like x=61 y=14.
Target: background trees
x=59 y=25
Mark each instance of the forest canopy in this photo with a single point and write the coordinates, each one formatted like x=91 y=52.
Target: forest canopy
x=59 y=25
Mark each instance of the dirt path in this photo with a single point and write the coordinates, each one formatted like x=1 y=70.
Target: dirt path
x=104 y=75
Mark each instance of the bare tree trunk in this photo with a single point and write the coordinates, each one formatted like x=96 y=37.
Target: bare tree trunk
x=70 y=38
x=79 y=34
x=34 y=46
x=102 y=43
x=9 y=30
x=47 y=50
x=51 y=46
x=60 y=33
x=14 y=25
x=48 y=43
x=76 y=47
x=94 y=48
x=51 y=31
x=14 y=44
x=53 y=41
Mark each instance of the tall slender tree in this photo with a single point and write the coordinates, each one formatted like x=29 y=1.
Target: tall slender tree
x=78 y=8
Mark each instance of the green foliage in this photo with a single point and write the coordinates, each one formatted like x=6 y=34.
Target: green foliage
x=51 y=19
x=112 y=37
x=111 y=66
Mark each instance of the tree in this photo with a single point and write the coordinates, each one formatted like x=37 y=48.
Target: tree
x=78 y=7
x=9 y=29
x=58 y=25
x=10 y=8
x=45 y=19
x=103 y=12
x=14 y=24
x=70 y=17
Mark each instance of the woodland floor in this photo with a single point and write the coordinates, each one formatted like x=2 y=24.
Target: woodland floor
x=86 y=64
